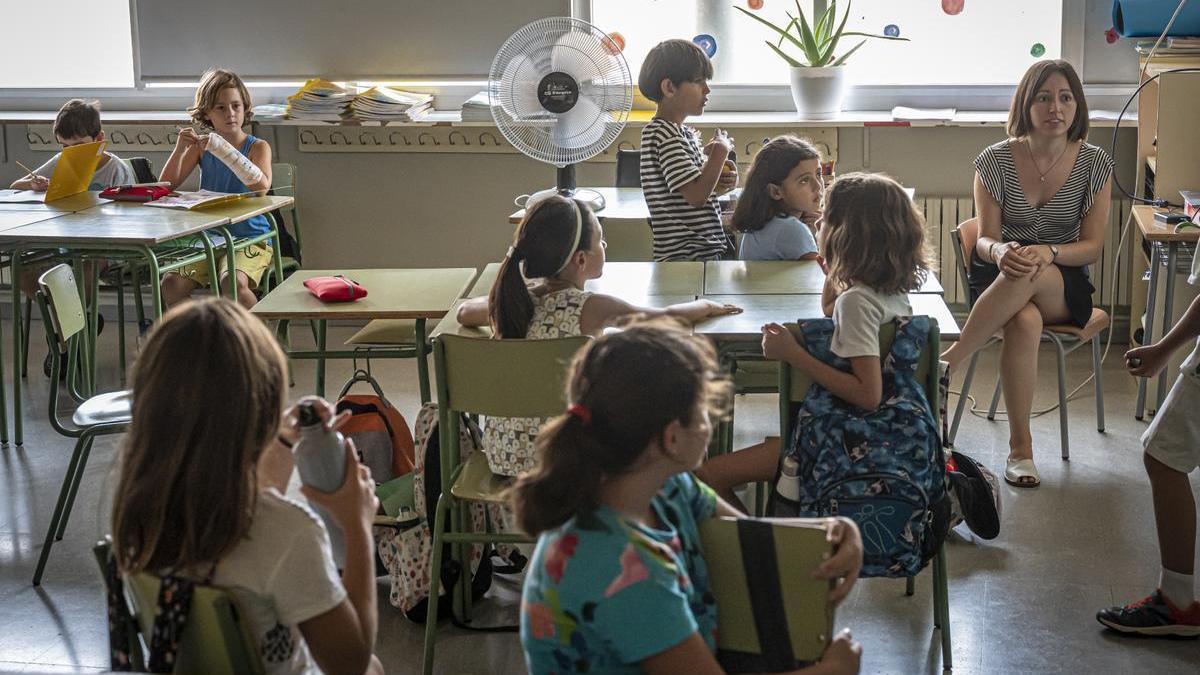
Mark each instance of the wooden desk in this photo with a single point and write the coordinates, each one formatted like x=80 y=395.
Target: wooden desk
x=631 y=281
x=13 y=219
x=780 y=308
x=1161 y=236
x=449 y=324
x=763 y=277
x=419 y=294
x=72 y=204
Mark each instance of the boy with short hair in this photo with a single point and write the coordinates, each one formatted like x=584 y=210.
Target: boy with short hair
x=1172 y=451
x=678 y=177
x=77 y=123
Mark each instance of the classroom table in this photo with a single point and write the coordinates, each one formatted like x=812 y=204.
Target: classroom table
x=112 y=229
x=13 y=219
x=757 y=310
x=765 y=277
x=419 y=294
x=630 y=281
x=1161 y=236
x=72 y=204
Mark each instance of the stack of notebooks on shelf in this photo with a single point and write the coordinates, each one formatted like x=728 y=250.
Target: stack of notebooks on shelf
x=477 y=108
x=1178 y=46
x=388 y=104
x=320 y=100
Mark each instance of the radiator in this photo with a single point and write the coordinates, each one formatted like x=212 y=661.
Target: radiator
x=944 y=213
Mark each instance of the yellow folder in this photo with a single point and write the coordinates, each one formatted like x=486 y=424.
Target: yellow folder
x=74 y=170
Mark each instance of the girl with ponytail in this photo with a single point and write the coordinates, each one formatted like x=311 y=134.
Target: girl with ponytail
x=558 y=247
x=618 y=581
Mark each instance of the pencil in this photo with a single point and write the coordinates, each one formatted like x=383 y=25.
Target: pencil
x=32 y=174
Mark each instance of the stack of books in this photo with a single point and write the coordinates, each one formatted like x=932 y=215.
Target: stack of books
x=477 y=109
x=1177 y=46
x=388 y=104
x=320 y=100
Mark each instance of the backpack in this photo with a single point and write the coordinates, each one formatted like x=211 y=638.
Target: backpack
x=883 y=468
x=380 y=433
x=406 y=549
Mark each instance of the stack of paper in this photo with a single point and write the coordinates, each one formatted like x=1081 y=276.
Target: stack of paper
x=386 y=104
x=319 y=100
x=1179 y=46
x=477 y=108
x=270 y=111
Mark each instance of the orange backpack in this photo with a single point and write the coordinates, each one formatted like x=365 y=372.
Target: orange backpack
x=380 y=433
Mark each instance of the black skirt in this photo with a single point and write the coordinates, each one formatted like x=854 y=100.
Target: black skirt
x=1077 y=287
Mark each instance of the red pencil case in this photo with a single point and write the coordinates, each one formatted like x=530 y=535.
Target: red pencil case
x=335 y=289
x=135 y=193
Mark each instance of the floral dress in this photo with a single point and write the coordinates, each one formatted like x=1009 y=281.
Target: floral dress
x=508 y=441
x=604 y=594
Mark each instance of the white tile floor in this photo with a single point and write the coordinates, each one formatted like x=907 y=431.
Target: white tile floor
x=1023 y=603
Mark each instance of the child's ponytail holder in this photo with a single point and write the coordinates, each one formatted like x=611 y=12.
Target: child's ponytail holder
x=581 y=411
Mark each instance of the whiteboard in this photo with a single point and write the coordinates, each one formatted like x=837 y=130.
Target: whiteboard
x=364 y=39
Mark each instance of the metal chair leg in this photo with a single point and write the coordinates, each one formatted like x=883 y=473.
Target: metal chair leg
x=995 y=401
x=1064 y=436
x=910 y=586
x=25 y=340
x=87 y=451
x=941 y=605
x=121 y=327
x=58 y=510
x=962 y=398
x=435 y=582
x=1098 y=378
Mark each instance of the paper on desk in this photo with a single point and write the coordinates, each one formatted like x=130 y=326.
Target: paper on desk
x=22 y=197
x=934 y=114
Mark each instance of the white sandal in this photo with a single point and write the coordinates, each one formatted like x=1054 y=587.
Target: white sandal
x=1021 y=473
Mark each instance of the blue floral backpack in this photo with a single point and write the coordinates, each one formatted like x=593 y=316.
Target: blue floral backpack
x=883 y=468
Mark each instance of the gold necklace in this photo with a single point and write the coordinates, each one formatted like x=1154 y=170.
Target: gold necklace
x=1042 y=174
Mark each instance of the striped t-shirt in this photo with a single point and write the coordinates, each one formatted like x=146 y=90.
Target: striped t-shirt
x=1058 y=220
x=671 y=158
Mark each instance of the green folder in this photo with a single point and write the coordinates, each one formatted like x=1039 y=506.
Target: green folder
x=771 y=614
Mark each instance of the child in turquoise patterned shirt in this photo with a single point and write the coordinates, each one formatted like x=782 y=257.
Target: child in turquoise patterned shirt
x=618 y=582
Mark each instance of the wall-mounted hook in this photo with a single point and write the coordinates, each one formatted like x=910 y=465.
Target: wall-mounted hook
x=625 y=145
x=750 y=145
x=122 y=135
x=826 y=153
x=345 y=139
x=404 y=138
x=423 y=134
x=172 y=137
x=35 y=138
x=365 y=135
x=464 y=137
x=149 y=139
x=310 y=132
x=495 y=141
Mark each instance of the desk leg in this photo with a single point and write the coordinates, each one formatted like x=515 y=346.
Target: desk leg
x=321 y=361
x=230 y=258
x=1168 y=301
x=422 y=360
x=90 y=290
x=16 y=310
x=1148 y=328
x=16 y=375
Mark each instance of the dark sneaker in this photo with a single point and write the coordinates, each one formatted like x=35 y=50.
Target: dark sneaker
x=980 y=503
x=1153 y=615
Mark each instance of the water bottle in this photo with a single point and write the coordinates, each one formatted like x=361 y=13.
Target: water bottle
x=321 y=460
x=788 y=486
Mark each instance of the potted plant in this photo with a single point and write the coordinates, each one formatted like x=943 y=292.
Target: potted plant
x=818 y=79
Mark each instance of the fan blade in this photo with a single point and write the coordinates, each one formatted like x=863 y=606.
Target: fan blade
x=581 y=126
x=518 y=89
x=578 y=54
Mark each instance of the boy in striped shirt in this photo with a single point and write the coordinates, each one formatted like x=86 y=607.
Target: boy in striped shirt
x=679 y=179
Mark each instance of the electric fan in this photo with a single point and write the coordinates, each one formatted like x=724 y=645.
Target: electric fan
x=560 y=92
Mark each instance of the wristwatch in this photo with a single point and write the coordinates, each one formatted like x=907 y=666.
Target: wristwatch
x=1053 y=252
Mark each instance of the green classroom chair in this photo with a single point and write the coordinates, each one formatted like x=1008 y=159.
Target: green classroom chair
x=283 y=184
x=214 y=640
x=103 y=414
x=474 y=375
x=793 y=387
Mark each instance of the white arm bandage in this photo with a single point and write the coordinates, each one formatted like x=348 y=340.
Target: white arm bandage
x=239 y=164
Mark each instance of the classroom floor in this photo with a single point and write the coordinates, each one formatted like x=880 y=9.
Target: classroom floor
x=1023 y=603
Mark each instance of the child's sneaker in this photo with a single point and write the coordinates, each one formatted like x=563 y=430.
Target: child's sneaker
x=1153 y=615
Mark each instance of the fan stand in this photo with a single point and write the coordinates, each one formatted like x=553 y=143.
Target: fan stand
x=565 y=186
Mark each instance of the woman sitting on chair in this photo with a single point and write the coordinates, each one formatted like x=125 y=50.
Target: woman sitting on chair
x=1042 y=200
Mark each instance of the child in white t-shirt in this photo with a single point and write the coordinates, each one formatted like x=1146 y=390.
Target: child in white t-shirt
x=204 y=500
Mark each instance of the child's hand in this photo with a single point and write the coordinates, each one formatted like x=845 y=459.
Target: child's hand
x=721 y=142
x=778 y=343
x=846 y=560
x=354 y=504
x=843 y=655
x=289 y=430
x=187 y=138
x=729 y=177
x=698 y=310
x=1146 y=361
x=38 y=183
x=823 y=265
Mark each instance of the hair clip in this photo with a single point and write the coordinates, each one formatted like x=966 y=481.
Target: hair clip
x=581 y=411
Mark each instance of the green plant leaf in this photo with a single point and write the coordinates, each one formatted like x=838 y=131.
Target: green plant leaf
x=837 y=36
x=811 y=49
x=786 y=29
x=845 y=56
x=790 y=61
x=881 y=37
x=782 y=33
x=806 y=33
x=825 y=23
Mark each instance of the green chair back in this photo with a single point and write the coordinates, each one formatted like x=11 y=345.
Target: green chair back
x=794 y=384
x=503 y=378
x=283 y=179
x=63 y=302
x=215 y=639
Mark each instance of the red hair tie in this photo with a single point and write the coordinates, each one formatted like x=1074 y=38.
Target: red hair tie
x=581 y=411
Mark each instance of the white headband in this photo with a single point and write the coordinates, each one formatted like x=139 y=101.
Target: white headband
x=578 y=234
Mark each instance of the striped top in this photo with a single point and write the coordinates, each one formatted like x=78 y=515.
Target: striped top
x=1057 y=221
x=671 y=158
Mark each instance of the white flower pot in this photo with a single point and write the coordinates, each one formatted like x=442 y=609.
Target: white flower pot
x=818 y=92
